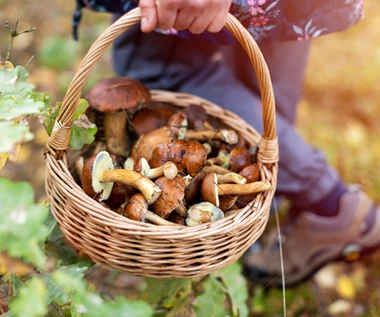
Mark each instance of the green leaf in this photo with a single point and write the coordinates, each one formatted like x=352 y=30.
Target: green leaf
x=12 y=134
x=32 y=300
x=22 y=229
x=164 y=291
x=81 y=136
x=236 y=288
x=54 y=291
x=16 y=95
x=83 y=131
x=123 y=307
x=211 y=302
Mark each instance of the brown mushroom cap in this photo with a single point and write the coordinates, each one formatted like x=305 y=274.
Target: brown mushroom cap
x=239 y=158
x=117 y=93
x=151 y=118
x=189 y=156
x=149 y=141
x=209 y=189
x=172 y=195
x=193 y=190
x=196 y=115
x=251 y=173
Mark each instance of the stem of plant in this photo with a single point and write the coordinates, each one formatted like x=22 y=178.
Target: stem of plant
x=14 y=33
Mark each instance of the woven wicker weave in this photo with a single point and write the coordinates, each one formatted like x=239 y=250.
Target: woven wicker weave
x=144 y=249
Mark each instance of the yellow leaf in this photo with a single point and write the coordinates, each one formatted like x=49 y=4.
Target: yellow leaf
x=3 y=159
x=6 y=65
x=346 y=288
x=12 y=265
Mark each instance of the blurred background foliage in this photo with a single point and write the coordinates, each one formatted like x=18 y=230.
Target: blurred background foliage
x=338 y=113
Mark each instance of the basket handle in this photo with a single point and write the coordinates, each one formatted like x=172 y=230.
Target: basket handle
x=60 y=137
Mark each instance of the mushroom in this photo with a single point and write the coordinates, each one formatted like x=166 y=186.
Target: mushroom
x=251 y=173
x=223 y=159
x=189 y=156
x=226 y=202
x=172 y=197
x=176 y=218
x=239 y=158
x=215 y=169
x=151 y=118
x=196 y=117
x=178 y=124
x=117 y=97
x=137 y=209
x=129 y=164
x=203 y=212
x=168 y=169
x=149 y=141
x=228 y=136
x=231 y=178
x=193 y=189
x=99 y=176
x=211 y=189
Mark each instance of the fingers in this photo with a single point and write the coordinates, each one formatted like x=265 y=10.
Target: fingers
x=149 y=18
x=195 y=15
x=167 y=11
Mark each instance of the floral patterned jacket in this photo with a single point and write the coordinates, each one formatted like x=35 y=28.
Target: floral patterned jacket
x=266 y=20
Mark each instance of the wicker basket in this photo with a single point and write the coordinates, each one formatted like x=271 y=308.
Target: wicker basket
x=144 y=249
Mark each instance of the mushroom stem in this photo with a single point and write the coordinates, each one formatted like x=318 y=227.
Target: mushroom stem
x=223 y=159
x=215 y=169
x=115 y=131
x=168 y=169
x=228 y=136
x=157 y=220
x=231 y=178
x=244 y=189
x=150 y=190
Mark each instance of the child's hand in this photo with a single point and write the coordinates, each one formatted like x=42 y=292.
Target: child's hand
x=195 y=15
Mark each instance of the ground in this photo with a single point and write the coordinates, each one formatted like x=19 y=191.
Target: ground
x=338 y=114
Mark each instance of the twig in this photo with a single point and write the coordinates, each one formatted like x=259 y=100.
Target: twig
x=29 y=61
x=57 y=309
x=14 y=33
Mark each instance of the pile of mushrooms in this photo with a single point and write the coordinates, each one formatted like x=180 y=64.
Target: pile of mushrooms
x=184 y=167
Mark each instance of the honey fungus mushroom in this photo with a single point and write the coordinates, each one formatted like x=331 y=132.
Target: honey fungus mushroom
x=99 y=176
x=117 y=97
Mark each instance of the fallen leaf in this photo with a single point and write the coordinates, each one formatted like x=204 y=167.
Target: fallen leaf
x=13 y=265
x=346 y=288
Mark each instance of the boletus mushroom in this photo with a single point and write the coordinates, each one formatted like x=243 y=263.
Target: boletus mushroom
x=151 y=118
x=168 y=169
x=117 y=97
x=239 y=158
x=188 y=156
x=137 y=209
x=147 y=142
x=203 y=212
x=178 y=124
x=99 y=175
x=172 y=197
x=211 y=189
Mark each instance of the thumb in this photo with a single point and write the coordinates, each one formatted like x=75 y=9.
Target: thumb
x=148 y=15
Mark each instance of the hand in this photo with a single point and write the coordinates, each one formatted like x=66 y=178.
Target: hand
x=195 y=15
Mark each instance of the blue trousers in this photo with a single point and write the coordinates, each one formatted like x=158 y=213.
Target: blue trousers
x=224 y=75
